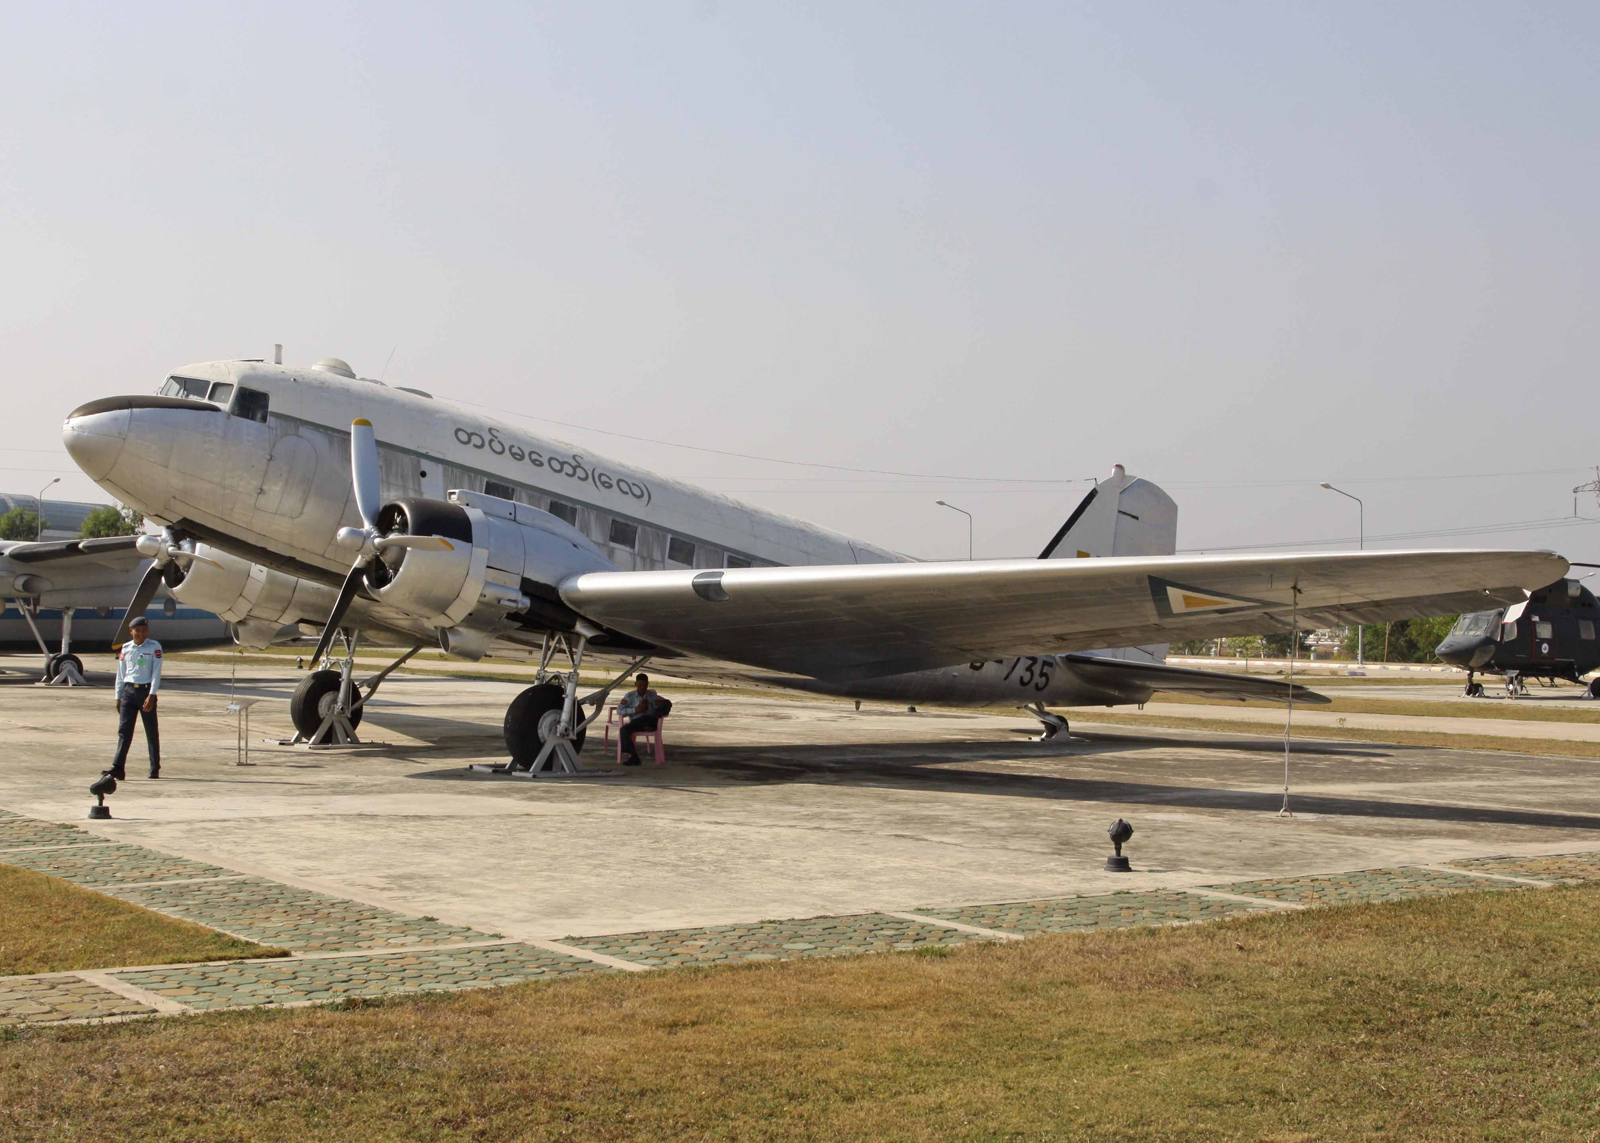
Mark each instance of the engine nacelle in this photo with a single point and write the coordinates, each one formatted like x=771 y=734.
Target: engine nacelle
x=258 y=600
x=506 y=558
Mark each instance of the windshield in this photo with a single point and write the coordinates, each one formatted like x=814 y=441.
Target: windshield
x=1478 y=623
x=185 y=387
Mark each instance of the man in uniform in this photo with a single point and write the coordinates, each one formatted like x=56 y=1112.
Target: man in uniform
x=138 y=680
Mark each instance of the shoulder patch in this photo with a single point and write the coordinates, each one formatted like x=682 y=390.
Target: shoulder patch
x=158 y=652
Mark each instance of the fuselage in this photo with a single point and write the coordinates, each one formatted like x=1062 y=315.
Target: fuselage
x=254 y=459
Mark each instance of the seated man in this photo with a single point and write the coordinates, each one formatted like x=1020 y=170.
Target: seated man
x=639 y=710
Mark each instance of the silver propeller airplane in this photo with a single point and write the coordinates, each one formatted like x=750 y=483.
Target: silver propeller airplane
x=323 y=501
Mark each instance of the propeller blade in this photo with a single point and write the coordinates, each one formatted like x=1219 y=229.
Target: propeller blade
x=416 y=543
x=142 y=595
x=364 y=471
x=336 y=616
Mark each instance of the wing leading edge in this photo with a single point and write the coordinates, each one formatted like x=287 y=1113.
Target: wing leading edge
x=861 y=621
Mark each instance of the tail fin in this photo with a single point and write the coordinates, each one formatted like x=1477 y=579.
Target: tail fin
x=1122 y=516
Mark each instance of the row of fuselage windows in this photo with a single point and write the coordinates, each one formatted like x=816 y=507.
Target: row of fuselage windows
x=251 y=404
x=621 y=533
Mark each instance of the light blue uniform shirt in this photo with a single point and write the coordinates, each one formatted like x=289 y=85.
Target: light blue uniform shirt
x=140 y=664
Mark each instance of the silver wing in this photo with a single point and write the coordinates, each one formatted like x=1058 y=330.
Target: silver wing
x=861 y=621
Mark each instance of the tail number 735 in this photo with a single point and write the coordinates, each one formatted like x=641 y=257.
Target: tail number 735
x=1035 y=672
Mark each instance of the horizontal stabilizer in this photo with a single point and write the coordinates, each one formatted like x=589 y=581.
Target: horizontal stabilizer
x=1120 y=674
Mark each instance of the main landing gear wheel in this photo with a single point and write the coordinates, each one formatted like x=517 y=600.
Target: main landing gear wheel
x=57 y=663
x=1594 y=689
x=313 y=701
x=531 y=721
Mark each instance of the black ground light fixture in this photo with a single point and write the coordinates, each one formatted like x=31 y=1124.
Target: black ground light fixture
x=1120 y=832
x=105 y=785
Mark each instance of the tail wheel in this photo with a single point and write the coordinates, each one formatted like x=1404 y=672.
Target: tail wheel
x=532 y=718
x=313 y=701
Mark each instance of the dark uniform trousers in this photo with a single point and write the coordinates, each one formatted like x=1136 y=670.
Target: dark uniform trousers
x=132 y=708
x=642 y=722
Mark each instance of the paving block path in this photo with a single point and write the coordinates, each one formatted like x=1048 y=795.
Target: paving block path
x=772 y=940
x=1113 y=911
x=1569 y=867
x=344 y=949
x=245 y=983
x=1360 y=887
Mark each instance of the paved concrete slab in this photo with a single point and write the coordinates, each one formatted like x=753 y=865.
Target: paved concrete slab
x=769 y=808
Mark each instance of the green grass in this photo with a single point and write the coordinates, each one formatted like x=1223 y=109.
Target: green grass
x=1474 y=1017
x=50 y=925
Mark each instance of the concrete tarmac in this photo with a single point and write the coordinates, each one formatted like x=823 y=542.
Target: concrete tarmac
x=768 y=808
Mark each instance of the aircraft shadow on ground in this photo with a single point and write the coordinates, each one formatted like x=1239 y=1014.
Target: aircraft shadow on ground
x=926 y=766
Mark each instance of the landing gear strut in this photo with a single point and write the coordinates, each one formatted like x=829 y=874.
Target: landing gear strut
x=1054 y=724
x=60 y=670
x=545 y=725
x=327 y=705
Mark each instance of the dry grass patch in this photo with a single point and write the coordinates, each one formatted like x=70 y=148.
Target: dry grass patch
x=1472 y=1017
x=51 y=925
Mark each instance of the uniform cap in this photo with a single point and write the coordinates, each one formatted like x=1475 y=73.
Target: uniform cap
x=139 y=621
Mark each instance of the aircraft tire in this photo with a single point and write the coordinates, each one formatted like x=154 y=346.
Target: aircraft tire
x=1474 y=690
x=313 y=699
x=523 y=716
x=58 y=662
x=1594 y=689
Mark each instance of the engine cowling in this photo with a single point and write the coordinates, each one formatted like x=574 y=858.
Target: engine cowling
x=505 y=558
x=259 y=601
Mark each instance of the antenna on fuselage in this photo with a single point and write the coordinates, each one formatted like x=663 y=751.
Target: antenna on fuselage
x=277 y=353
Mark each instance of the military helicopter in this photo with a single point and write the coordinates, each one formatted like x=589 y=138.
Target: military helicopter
x=1549 y=636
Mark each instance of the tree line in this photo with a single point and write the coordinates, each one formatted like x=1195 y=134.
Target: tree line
x=1402 y=641
x=109 y=520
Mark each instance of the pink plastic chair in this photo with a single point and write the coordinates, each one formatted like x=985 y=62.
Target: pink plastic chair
x=657 y=740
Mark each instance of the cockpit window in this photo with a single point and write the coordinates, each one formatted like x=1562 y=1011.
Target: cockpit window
x=251 y=404
x=1476 y=623
x=189 y=387
x=220 y=392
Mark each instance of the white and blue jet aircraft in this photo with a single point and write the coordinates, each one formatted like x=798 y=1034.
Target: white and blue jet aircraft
x=324 y=501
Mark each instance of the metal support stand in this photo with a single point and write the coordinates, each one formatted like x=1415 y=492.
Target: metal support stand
x=353 y=696
x=67 y=673
x=1054 y=724
x=559 y=730
x=241 y=707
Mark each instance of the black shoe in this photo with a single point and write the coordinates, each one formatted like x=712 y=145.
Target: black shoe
x=119 y=775
x=156 y=773
x=631 y=760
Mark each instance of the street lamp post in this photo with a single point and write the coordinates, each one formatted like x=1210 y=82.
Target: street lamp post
x=38 y=514
x=968 y=515
x=1361 y=543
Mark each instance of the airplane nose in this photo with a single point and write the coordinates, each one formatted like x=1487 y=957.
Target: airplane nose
x=94 y=437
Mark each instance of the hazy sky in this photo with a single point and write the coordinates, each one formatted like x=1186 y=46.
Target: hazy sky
x=1240 y=248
